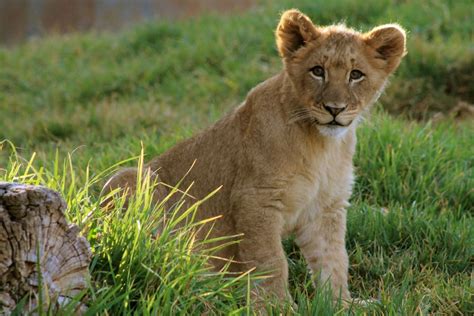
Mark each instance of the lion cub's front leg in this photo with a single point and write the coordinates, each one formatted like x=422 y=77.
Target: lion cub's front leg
x=261 y=248
x=322 y=242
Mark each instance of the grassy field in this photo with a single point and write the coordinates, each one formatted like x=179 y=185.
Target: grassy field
x=73 y=107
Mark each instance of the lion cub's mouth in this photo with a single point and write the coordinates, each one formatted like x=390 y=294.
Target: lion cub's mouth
x=336 y=123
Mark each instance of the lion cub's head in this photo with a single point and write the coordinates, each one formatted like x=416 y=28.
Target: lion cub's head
x=335 y=71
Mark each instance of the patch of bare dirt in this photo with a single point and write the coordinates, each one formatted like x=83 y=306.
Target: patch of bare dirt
x=448 y=95
x=461 y=112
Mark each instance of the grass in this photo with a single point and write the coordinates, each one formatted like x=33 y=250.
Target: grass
x=79 y=104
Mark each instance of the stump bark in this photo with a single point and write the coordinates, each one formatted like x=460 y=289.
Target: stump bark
x=41 y=255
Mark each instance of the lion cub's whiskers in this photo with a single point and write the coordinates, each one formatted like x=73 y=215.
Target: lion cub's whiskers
x=300 y=114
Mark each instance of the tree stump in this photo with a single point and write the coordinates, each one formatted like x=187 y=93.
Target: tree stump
x=38 y=247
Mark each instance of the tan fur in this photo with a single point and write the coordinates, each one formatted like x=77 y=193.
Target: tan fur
x=282 y=170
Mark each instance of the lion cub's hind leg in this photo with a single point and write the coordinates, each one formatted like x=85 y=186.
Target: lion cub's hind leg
x=125 y=180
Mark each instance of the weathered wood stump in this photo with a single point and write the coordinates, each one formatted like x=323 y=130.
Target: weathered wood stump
x=38 y=247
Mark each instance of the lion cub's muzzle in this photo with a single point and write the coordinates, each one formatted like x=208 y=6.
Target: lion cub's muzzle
x=334 y=109
x=334 y=113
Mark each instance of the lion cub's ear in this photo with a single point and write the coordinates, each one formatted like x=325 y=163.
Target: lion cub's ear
x=294 y=31
x=388 y=41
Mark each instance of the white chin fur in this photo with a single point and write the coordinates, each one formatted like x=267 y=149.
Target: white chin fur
x=332 y=131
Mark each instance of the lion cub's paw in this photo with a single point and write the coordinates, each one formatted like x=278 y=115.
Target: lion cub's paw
x=360 y=302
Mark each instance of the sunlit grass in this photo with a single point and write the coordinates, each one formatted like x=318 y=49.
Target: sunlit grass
x=409 y=237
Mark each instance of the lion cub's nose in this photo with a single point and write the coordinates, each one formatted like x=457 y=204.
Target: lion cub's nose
x=334 y=109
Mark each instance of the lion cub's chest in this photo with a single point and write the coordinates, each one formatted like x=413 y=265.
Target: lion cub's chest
x=317 y=184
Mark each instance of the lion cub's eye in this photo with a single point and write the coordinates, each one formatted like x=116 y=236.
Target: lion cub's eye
x=317 y=72
x=356 y=75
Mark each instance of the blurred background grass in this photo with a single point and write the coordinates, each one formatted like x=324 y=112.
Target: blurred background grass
x=99 y=96
x=87 y=89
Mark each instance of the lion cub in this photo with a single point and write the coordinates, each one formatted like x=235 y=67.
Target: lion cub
x=284 y=156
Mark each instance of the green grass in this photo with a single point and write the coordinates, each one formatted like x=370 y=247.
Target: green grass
x=82 y=103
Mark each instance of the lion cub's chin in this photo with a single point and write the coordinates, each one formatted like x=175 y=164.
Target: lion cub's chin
x=333 y=131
